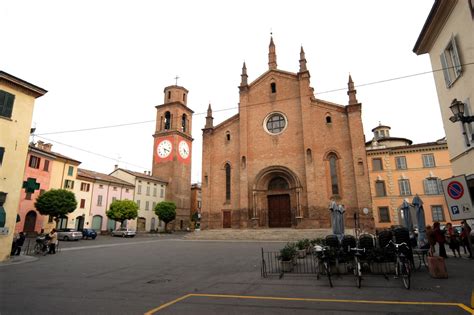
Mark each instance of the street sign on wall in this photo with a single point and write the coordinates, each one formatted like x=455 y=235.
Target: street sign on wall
x=458 y=198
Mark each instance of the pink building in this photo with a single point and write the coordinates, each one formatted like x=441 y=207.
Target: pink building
x=104 y=190
x=36 y=180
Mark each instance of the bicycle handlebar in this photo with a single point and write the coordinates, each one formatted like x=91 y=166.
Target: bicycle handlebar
x=397 y=245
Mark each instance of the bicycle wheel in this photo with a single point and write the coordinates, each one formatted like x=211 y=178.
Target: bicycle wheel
x=37 y=249
x=317 y=267
x=405 y=274
x=327 y=269
x=357 y=272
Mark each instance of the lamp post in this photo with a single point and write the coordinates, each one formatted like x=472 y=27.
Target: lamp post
x=457 y=107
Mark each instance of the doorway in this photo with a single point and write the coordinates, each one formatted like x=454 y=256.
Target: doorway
x=227 y=220
x=30 y=222
x=279 y=211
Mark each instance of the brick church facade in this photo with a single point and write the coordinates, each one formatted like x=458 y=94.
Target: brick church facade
x=285 y=155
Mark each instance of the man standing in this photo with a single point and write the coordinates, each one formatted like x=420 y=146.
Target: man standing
x=53 y=241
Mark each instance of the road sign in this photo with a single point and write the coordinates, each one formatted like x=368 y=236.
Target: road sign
x=458 y=198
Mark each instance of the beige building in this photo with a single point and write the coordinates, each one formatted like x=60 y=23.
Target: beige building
x=401 y=170
x=285 y=155
x=149 y=191
x=448 y=37
x=17 y=99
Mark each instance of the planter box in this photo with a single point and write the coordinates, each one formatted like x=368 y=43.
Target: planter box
x=301 y=253
x=286 y=266
x=382 y=267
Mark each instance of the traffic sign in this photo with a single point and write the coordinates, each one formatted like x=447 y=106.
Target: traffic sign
x=455 y=190
x=458 y=198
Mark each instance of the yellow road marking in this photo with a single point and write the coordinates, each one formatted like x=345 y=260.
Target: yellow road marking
x=464 y=307
x=150 y=312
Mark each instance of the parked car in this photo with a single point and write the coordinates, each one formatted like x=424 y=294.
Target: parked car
x=89 y=233
x=124 y=232
x=69 y=234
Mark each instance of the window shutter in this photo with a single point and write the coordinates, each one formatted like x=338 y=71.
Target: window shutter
x=6 y=104
x=456 y=60
x=444 y=64
x=425 y=186
x=440 y=186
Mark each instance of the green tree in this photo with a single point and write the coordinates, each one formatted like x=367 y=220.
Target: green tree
x=56 y=203
x=166 y=211
x=121 y=210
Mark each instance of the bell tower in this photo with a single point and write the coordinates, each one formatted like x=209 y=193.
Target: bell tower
x=172 y=151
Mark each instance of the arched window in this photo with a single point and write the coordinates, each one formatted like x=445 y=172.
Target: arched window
x=333 y=173
x=328 y=119
x=167 y=120
x=273 y=86
x=309 y=155
x=227 y=136
x=169 y=94
x=183 y=122
x=184 y=97
x=278 y=183
x=227 y=182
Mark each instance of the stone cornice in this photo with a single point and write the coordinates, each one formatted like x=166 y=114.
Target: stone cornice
x=435 y=22
x=24 y=86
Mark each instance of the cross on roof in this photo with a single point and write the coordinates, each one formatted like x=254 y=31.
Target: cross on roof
x=176 y=78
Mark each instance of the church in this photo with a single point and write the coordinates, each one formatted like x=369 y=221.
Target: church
x=285 y=156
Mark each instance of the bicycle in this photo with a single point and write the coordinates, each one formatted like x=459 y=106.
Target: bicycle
x=402 y=263
x=357 y=268
x=323 y=260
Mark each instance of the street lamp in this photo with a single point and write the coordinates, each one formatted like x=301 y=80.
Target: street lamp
x=457 y=107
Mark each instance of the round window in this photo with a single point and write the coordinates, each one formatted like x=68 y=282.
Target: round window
x=275 y=123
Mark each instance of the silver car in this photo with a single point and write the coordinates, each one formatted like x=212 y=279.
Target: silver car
x=124 y=232
x=67 y=234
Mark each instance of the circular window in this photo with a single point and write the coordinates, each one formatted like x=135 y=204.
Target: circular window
x=275 y=123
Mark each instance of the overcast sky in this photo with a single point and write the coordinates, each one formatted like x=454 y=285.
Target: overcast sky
x=107 y=62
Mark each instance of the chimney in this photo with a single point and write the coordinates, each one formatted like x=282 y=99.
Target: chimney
x=39 y=144
x=115 y=167
x=47 y=147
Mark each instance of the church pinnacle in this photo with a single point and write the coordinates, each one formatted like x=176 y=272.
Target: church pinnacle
x=244 y=76
x=351 y=92
x=209 y=118
x=272 y=59
x=302 y=61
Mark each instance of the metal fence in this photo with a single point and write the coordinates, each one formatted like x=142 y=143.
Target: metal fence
x=272 y=265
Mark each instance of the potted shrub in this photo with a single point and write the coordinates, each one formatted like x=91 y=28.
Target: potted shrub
x=301 y=248
x=286 y=257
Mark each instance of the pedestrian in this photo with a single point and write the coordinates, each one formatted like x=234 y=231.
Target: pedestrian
x=19 y=243
x=53 y=242
x=440 y=239
x=452 y=238
x=430 y=240
x=466 y=237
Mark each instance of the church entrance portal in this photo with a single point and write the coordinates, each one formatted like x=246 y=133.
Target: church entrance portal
x=279 y=211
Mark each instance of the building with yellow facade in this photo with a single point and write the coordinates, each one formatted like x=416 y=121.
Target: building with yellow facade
x=401 y=170
x=17 y=99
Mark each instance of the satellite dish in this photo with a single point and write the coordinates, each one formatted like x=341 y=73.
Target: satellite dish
x=366 y=211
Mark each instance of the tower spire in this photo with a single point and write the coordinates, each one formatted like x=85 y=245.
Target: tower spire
x=302 y=61
x=351 y=92
x=244 y=76
x=272 y=59
x=209 y=118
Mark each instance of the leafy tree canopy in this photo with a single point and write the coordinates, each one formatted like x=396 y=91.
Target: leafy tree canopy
x=121 y=210
x=166 y=211
x=56 y=203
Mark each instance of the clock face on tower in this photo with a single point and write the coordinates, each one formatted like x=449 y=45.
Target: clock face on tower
x=164 y=149
x=183 y=149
